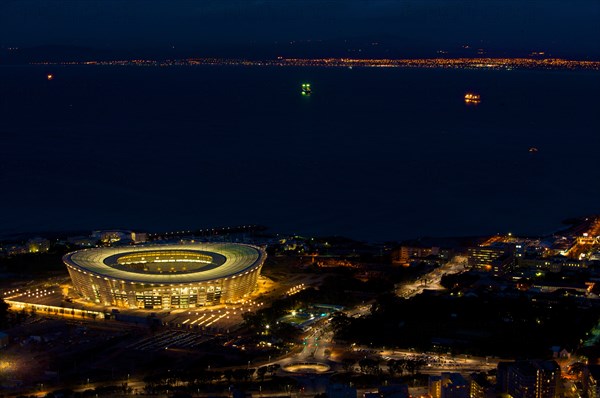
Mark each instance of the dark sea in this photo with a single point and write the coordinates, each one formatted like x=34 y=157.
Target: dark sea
x=373 y=154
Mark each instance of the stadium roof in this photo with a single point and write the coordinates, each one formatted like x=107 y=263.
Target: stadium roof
x=238 y=259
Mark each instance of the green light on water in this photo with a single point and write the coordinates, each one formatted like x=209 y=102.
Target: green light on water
x=306 y=90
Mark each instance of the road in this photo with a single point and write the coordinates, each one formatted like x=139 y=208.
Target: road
x=317 y=344
x=431 y=281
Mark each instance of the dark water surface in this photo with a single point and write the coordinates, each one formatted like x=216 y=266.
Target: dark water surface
x=372 y=154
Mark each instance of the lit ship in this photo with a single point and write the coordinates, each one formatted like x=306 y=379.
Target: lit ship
x=306 y=90
x=471 y=98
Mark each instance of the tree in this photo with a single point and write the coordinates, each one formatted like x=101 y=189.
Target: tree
x=286 y=332
x=414 y=365
x=396 y=367
x=348 y=364
x=369 y=366
x=240 y=374
x=261 y=372
x=273 y=368
x=215 y=375
x=340 y=321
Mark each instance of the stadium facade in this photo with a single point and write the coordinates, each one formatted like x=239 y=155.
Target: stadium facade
x=166 y=276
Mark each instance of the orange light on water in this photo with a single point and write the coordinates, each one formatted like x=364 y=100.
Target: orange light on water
x=471 y=98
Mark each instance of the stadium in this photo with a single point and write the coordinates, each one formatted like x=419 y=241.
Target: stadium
x=166 y=276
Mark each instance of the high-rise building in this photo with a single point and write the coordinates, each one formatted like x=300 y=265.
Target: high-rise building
x=496 y=258
x=529 y=379
x=435 y=386
x=592 y=381
x=480 y=386
x=454 y=385
x=448 y=385
x=403 y=255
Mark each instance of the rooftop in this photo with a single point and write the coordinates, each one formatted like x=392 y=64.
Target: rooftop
x=166 y=264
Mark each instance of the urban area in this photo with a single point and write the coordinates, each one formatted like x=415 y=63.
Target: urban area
x=241 y=312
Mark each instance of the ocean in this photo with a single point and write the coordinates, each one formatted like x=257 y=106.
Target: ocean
x=373 y=154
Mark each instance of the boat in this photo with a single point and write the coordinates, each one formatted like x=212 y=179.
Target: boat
x=472 y=98
x=306 y=90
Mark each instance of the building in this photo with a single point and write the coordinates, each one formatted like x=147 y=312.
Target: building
x=340 y=391
x=407 y=254
x=38 y=245
x=529 y=379
x=448 y=385
x=592 y=381
x=480 y=386
x=394 y=391
x=15 y=250
x=552 y=264
x=454 y=385
x=574 y=288
x=166 y=276
x=435 y=386
x=502 y=376
x=139 y=237
x=503 y=264
x=82 y=241
x=403 y=255
x=482 y=258
x=118 y=235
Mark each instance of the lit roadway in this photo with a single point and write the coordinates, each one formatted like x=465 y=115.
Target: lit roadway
x=319 y=338
x=431 y=281
x=437 y=363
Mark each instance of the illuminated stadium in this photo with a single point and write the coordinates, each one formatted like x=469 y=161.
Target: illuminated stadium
x=166 y=276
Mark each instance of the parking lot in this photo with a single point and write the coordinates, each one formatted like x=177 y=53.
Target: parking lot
x=170 y=339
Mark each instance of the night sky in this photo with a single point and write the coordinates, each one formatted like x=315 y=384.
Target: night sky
x=566 y=28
